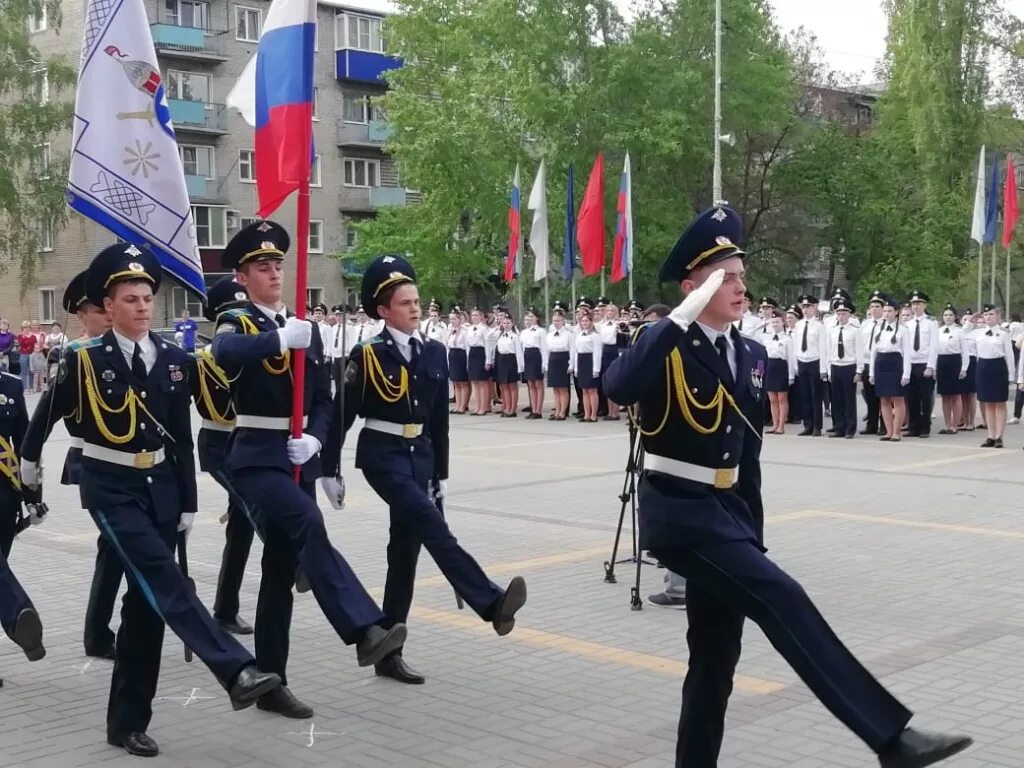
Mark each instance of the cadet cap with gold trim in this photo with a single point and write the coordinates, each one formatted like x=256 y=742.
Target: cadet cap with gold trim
x=711 y=237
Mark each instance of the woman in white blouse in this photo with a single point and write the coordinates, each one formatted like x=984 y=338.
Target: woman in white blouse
x=508 y=367
x=560 y=347
x=781 y=372
x=951 y=370
x=995 y=374
x=889 y=370
x=478 y=361
x=455 y=341
x=535 y=361
x=969 y=399
x=586 y=363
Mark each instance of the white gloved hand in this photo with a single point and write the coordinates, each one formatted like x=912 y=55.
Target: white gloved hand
x=36 y=514
x=302 y=449
x=296 y=334
x=334 y=490
x=439 y=492
x=186 y=521
x=31 y=474
x=691 y=307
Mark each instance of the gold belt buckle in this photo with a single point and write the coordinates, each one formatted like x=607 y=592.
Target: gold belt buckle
x=144 y=460
x=410 y=430
x=725 y=478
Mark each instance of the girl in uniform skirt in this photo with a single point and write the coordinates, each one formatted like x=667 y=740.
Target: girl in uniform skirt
x=951 y=370
x=781 y=372
x=458 y=371
x=995 y=374
x=508 y=366
x=586 y=363
x=478 y=362
x=535 y=360
x=793 y=314
x=968 y=398
x=560 y=347
x=889 y=371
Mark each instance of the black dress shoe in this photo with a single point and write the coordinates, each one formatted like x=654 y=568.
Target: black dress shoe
x=28 y=634
x=137 y=743
x=817 y=433
x=236 y=626
x=281 y=701
x=998 y=443
x=250 y=685
x=805 y=433
x=915 y=749
x=989 y=443
x=394 y=666
x=504 y=617
x=378 y=643
x=869 y=432
x=835 y=434
x=107 y=653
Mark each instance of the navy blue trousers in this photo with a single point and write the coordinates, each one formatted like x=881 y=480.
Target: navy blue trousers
x=13 y=599
x=844 y=399
x=727 y=582
x=920 y=400
x=238 y=535
x=106 y=583
x=808 y=379
x=157 y=594
x=294 y=533
x=417 y=522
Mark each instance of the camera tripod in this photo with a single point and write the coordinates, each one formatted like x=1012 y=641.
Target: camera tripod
x=634 y=465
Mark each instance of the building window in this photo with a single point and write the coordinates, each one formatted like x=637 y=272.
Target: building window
x=247 y=165
x=314 y=296
x=198 y=160
x=248 y=24
x=211 y=225
x=356 y=108
x=47 y=304
x=361 y=173
x=364 y=33
x=44 y=236
x=42 y=86
x=41 y=162
x=351 y=238
x=246 y=221
x=182 y=300
x=187 y=13
x=37 y=23
x=314 y=172
x=316 y=102
x=188 y=86
x=316 y=236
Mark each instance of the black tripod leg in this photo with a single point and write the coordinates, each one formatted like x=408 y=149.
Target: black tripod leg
x=628 y=496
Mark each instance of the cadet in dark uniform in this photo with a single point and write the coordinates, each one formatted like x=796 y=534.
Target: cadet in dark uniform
x=398 y=382
x=212 y=396
x=129 y=392
x=701 y=510
x=252 y=345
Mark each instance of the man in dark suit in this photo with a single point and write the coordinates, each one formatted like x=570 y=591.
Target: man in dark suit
x=698 y=385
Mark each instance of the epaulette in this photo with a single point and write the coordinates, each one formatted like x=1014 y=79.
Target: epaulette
x=637 y=331
x=373 y=340
x=232 y=313
x=78 y=344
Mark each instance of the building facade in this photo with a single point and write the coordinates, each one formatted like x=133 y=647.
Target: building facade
x=202 y=47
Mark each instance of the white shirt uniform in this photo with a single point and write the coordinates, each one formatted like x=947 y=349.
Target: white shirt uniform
x=925 y=331
x=891 y=337
x=951 y=342
x=366 y=331
x=851 y=345
x=994 y=343
x=815 y=350
x=747 y=324
x=434 y=329
x=866 y=343
x=479 y=336
x=535 y=336
x=608 y=331
x=147 y=350
x=780 y=347
x=586 y=341
x=456 y=338
x=508 y=343
x=560 y=339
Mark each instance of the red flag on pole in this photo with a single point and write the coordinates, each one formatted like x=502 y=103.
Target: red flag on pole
x=1010 y=210
x=590 y=222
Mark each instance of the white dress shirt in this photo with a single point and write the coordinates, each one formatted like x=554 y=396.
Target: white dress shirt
x=434 y=329
x=401 y=340
x=587 y=342
x=536 y=337
x=851 y=345
x=608 y=331
x=780 y=347
x=713 y=335
x=951 y=342
x=508 y=343
x=817 y=343
x=994 y=343
x=560 y=339
x=456 y=338
x=892 y=337
x=148 y=350
x=927 y=352
x=866 y=343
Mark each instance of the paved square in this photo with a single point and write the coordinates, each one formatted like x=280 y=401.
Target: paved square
x=912 y=551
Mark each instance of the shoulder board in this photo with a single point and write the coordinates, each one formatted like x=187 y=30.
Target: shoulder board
x=231 y=314
x=12 y=375
x=78 y=344
x=375 y=340
x=637 y=331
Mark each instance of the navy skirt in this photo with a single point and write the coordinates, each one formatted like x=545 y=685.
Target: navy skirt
x=993 y=380
x=585 y=371
x=888 y=374
x=533 y=363
x=476 y=364
x=777 y=379
x=457 y=369
x=947 y=375
x=969 y=384
x=506 y=369
x=609 y=353
x=558 y=370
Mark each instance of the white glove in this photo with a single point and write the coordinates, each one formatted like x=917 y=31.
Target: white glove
x=296 y=334
x=439 y=492
x=334 y=490
x=691 y=307
x=186 y=521
x=302 y=449
x=31 y=474
x=36 y=513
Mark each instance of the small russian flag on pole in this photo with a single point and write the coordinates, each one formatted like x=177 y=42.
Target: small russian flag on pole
x=622 y=260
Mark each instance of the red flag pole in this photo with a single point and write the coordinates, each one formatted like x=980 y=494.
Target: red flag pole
x=301 y=281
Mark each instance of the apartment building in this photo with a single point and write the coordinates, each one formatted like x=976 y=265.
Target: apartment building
x=202 y=47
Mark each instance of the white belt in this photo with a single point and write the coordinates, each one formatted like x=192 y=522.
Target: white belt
x=719 y=478
x=391 y=428
x=144 y=460
x=281 y=423
x=216 y=426
x=77 y=442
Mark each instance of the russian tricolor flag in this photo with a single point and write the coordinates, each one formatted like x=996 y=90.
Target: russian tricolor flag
x=622 y=260
x=284 y=101
x=513 y=260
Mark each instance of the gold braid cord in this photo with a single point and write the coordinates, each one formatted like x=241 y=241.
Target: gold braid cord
x=249 y=327
x=373 y=372
x=208 y=369
x=87 y=375
x=9 y=466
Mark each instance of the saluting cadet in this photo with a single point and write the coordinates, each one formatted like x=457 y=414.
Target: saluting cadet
x=433 y=327
x=889 y=370
x=129 y=392
x=780 y=373
x=765 y=313
x=924 y=352
x=951 y=370
x=535 y=360
x=701 y=509
x=560 y=344
x=457 y=358
x=843 y=354
x=211 y=393
x=253 y=346
x=865 y=345
x=995 y=369
x=398 y=383
x=811 y=342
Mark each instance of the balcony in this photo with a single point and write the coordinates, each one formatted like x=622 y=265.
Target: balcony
x=204 y=190
x=192 y=43
x=369 y=199
x=197 y=117
x=363 y=66
x=372 y=134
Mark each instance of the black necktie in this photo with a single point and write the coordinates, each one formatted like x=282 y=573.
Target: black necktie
x=414 y=351
x=842 y=348
x=917 y=336
x=946 y=330
x=775 y=337
x=556 y=333
x=279 y=319
x=989 y=333
x=138 y=367
x=723 y=352
x=803 y=344
x=871 y=339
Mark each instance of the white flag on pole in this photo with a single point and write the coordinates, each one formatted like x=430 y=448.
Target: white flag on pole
x=126 y=173
x=978 y=222
x=539 y=244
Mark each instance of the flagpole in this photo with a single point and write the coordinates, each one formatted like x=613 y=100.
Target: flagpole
x=992 y=279
x=1008 y=281
x=602 y=280
x=574 y=289
x=717 y=172
x=301 y=280
x=630 y=284
x=547 y=296
x=981 y=270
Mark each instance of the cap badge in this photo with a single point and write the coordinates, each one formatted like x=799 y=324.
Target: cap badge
x=388 y=260
x=134 y=266
x=719 y=215
x=264 y=227
x=723 y=240
x=131 y=250
x=268 y=245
